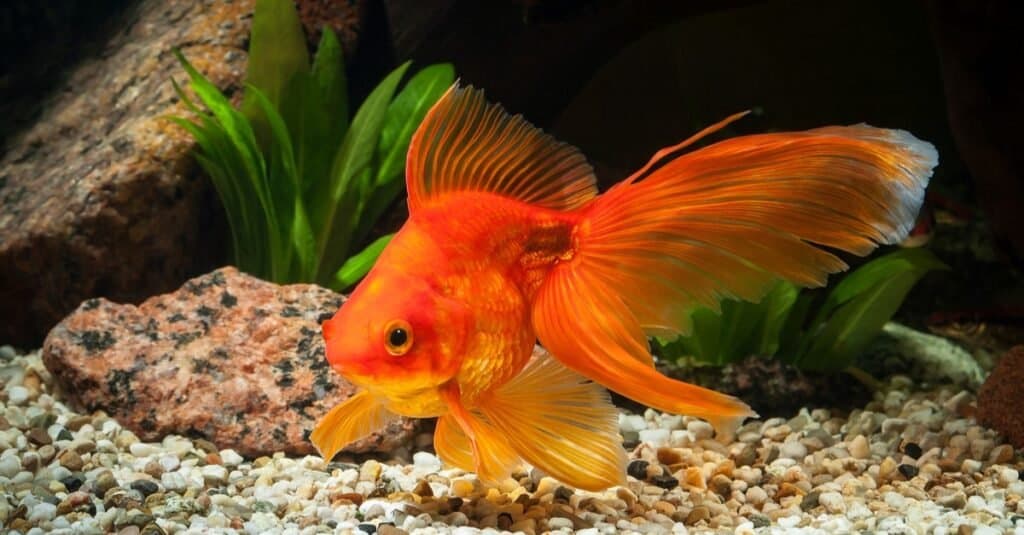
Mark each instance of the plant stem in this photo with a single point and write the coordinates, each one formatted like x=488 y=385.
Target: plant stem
x=864 y=377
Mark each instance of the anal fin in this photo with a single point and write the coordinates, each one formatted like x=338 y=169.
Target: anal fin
x=561 y=423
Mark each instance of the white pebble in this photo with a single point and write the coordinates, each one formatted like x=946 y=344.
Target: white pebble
x=793 y=450
x=655 y=437
x=142 y=449
x=426 y=461
x=833 y=502
x=631 y=422
x=173 y=481
x=9 y=466
x=215 y=472
x=231 y=457
x=169 y=463
x=895 y=500
x=559 y=523
x=1008 y=476
x=42 y=512
x=986 y=530
x=16 y=395
x=700 y=429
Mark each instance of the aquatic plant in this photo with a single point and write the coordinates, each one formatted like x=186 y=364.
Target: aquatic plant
x=800 y=327
x=301 y=185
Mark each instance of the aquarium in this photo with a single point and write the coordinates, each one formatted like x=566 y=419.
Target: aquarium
x=300 y=267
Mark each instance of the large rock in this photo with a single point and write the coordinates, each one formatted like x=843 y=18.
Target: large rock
x=228 y=357
x=1001 y=398
x=100 y=196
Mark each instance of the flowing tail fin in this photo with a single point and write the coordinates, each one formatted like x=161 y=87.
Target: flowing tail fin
x=725 y=221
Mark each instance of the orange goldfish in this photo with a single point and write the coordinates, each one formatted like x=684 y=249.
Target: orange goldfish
x=509 y=243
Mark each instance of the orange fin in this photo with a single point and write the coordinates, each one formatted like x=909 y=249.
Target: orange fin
x=561 y=423
x=356 y=418
x=729 y=220
x=611 y=353
x=468 y=144
x=492 y=458
x=451 y=444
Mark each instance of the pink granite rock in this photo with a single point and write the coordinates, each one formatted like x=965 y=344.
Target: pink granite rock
x=228 y=357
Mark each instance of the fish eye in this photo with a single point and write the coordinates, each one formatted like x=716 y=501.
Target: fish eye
x=398 y=337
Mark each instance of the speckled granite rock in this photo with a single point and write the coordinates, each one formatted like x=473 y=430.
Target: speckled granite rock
x=100 y=197
x=1001 y=398
x=228 y=357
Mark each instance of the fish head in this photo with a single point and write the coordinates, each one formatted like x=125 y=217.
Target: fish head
x=397 y=335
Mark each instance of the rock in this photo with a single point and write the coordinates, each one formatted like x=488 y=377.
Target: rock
x=241 y=360
x=926 y=356
x=100 y=196
x=1002 y=395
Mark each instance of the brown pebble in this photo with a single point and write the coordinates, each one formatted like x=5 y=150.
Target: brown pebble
x=810 y=501
x=504 y=521
x=788 y=489
x=721 y=485
x=747 y=456
x=76 y=422
x=206 y=445
x=964 y=529
x=153 y=469
x=71 y=460
x=4 y=424
x=388 y=529
x=669 y=456
x=698 y=514
x=38 y=436
x=213 y=458
x=352 y=497
x=423 y=489
x=1001 y=454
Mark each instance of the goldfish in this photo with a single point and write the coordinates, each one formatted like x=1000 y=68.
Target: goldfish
x=509 y=243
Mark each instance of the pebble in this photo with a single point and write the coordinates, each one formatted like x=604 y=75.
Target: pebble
x=815 y=471
x=859 y=447
x=16 y=395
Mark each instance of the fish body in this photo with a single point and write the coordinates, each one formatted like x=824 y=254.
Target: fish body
x=508 y=243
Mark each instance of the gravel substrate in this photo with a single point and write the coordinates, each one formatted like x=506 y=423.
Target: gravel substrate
x=907 y=463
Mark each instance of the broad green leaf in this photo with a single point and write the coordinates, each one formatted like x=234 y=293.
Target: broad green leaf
x=405 y=114
x=329 y=74
x=277 y=52
x=302 y=108
x=776 y=307
x=356 y=267
x=861 y=304
x=282 y=185
x=353 y=158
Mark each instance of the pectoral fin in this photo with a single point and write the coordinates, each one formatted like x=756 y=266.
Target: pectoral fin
x=356 y=418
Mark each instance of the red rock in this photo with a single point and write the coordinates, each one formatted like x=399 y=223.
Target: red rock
x=228 y=357
x=1002 y=396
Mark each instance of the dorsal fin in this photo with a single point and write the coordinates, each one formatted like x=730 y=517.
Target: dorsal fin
x=468 y=144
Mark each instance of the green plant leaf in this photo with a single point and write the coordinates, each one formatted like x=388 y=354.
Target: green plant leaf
x=302 y=108
x=855 y=311
x=329 y=74
x=775 y=308
x=357 y=266
x=404 y=114
x=277 y=52
x=351 y=162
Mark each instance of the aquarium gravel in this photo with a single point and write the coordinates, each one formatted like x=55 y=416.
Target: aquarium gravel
x=908 y=462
